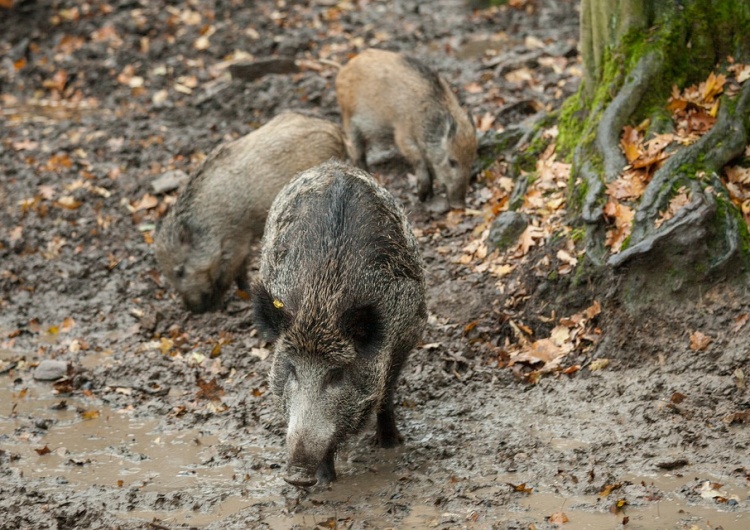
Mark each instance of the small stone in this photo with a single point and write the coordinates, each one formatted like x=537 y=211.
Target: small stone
x=506 y=229
x=169 y=181
x=50 y=370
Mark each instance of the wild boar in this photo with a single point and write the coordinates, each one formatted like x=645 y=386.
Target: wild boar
x=389 y=96
x=203 y=243
x=341 y=292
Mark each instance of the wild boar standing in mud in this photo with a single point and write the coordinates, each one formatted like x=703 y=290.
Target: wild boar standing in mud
x=203 y=244
x=389 y=96
x=342 y=294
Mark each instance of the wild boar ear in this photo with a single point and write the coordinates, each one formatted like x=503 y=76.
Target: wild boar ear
x=185 y=234
x=449 y=132
x=271 y=318
x=363 y=325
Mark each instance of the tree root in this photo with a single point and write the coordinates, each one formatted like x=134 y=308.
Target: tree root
x=725 y=141
x=607 y=147
x=620 y=110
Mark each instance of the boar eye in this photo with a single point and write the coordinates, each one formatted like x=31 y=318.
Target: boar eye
x=334 y=377
x=179 y=271
x=453 y=162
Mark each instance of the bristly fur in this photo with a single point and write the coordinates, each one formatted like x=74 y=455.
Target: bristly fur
x=208 y=233
x=343 y=266
x=389 y=96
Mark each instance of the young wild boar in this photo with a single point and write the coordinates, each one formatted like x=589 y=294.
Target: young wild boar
x=203 y=244
x=341 y=292
x=388 y=96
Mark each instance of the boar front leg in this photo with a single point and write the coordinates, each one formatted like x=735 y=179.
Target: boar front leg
x=424 y=181
x=412 y=153
x=386 y=433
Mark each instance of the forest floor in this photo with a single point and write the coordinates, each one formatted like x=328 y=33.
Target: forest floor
x=163 y=419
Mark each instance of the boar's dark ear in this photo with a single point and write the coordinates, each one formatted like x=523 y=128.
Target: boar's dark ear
x=364 y=327
x=270 y=316
x=185 y=234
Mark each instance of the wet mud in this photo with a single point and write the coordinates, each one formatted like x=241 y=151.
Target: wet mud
x=164 y=419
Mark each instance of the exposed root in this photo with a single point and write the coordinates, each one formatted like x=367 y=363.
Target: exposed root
x=725 y=141
x=591 y=214
x=686 y=228
x=620 y=110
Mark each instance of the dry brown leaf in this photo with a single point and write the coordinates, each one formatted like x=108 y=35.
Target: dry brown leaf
x=741 y=72
x=631 y=143
x=713 y=86
x=209 y=389
x=540 y=351
x=521 y=488
x=739 y=322
x=69 y=203
x=699 y=341
x=609 y=488
x=67 y=324
x=598 y=364
x=629 y=185
x=529 y=238
x=558 y=518
x=623 y=218
x=593 y=310
x=90 y=414
x=146 y=202
x=677 y=202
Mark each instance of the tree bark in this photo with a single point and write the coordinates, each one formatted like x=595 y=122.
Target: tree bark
x=634 y=52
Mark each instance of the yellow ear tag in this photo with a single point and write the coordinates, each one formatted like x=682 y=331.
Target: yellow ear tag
x=278 y=304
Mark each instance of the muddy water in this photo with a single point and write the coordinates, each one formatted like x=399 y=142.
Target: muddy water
x=92 y=444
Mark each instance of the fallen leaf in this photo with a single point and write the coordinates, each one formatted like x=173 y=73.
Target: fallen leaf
x=521 y=488
x=43 y=451
x=609 y=488
x=598 y=364
x=699 y=341
x=677 y=398
x=90 y=414
x=540 y=351
x=737 y=417
x=146 y=202
x=558 y=518
x=209 y=389
x=678 y=201
x=67 y=324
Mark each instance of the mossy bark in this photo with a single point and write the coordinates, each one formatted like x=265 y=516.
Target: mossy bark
x=633 y=52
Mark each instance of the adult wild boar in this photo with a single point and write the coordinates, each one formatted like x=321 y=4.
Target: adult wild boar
x=341 y=292
x=386 y=95
x=203 y=244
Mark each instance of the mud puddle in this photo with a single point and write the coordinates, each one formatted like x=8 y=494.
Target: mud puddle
x=93 y=445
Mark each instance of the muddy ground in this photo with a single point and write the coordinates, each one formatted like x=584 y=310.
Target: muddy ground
x=164 y=419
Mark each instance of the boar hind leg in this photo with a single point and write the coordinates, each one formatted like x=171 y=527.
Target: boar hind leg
x=386 y=432
x=357 y=146
x=326 y=472
x=241 y=278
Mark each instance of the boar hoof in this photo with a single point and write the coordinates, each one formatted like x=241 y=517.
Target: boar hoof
x=300 y=477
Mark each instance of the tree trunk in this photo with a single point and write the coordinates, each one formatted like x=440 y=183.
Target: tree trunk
x=634 y=52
